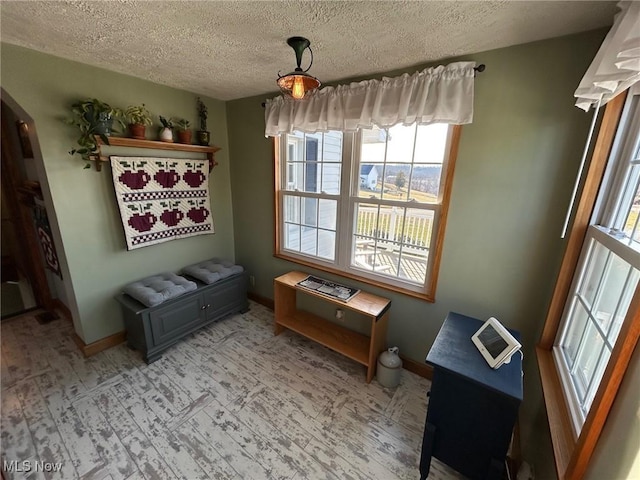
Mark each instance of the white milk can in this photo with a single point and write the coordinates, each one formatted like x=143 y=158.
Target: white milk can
x=389 y=368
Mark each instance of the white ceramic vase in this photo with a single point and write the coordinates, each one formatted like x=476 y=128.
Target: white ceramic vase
x=166 y=135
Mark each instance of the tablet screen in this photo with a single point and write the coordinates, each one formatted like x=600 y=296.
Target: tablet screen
x=492 y=341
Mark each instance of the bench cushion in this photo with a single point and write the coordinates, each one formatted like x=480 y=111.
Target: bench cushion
x=154 y=290
x=211 y=271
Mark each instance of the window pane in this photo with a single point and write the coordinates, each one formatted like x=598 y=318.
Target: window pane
x=331 y=162
x=623 y=308
x=400 y=144
x=309 y=212
x=291 y=209
x=366 y=220
x=332 y=146
x=327 y=215
x=386 y=258
x=613 y=283
x=309 y=240
x=588 y=355
x=405 y=164
x=629 y=206
x=577 y=324
x=313 y=162
x=370 y=227
x=377 y=257
x=413 y=267
x=295 y=141
x=631 y=228
x=418 y=228
x=395 y=184
x=331 y=178
x=363 y=252
x=595 y=266
x=431 y=143
x=393 y=241
x=294 y=174
x=425 y=183
x=374 y=145
x=311 y=174
x=292 y=237
x=327 y=244
x=597 y=377
x=370 y=180
x=302 y=215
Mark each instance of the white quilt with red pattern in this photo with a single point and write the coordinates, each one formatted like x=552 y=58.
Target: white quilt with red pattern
x=162 y=199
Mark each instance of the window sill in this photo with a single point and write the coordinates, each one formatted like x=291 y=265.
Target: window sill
x=559 y=421
x=422 y=296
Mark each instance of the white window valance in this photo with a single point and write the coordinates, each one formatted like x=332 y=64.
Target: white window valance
x=616 y=66
x=442 y=94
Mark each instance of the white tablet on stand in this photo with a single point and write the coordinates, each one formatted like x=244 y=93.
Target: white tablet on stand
x=495 y=343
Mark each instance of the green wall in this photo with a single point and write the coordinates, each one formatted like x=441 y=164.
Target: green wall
x=512 y=184
x=84 y=200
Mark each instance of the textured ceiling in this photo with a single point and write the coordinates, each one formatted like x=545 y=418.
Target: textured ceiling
x=234 y=49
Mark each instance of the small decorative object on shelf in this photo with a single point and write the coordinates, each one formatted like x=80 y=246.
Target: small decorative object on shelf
x=139 y=118
x=184 y=133
x=166 y=132
x=203 y=135
x=92 y=117
x=330 y=289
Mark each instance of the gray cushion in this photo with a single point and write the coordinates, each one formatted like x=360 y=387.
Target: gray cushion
x=212 y=270
x=156 y=289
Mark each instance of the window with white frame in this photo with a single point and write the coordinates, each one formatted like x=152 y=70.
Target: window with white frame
x=368 y=203
x=607 y=275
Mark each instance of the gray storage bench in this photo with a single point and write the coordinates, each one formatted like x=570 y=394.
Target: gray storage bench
x=152 y=329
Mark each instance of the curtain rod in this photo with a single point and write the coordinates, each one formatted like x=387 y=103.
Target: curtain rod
x=480 y=68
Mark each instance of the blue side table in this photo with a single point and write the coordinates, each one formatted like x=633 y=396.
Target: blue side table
x=472 y=407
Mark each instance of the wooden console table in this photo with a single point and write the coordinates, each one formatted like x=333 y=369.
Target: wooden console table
x=361 y=348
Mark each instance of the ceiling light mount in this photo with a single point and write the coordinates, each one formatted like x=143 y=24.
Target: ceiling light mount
x=298 y=83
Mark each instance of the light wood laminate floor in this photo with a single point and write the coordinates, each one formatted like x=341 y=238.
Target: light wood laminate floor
x=231 y=401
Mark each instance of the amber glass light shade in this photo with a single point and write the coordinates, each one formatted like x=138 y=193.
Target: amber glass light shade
x=298 y=84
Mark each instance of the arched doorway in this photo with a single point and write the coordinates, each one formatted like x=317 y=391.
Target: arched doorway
x=25 y=252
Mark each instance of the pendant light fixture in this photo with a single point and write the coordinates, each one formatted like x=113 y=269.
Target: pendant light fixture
x=298 y=83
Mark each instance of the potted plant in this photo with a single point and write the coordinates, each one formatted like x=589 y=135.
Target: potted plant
x=93 y=117
x=184 y=134
x=166 y=132
x=203 y=135
x=138 y=118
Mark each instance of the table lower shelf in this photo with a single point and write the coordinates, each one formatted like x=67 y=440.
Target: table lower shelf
x=351 y=344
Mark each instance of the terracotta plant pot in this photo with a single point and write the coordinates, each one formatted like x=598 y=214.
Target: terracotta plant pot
x=137 y=131
x=184 y=136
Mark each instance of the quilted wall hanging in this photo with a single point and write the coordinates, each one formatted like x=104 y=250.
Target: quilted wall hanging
x=162 y=199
